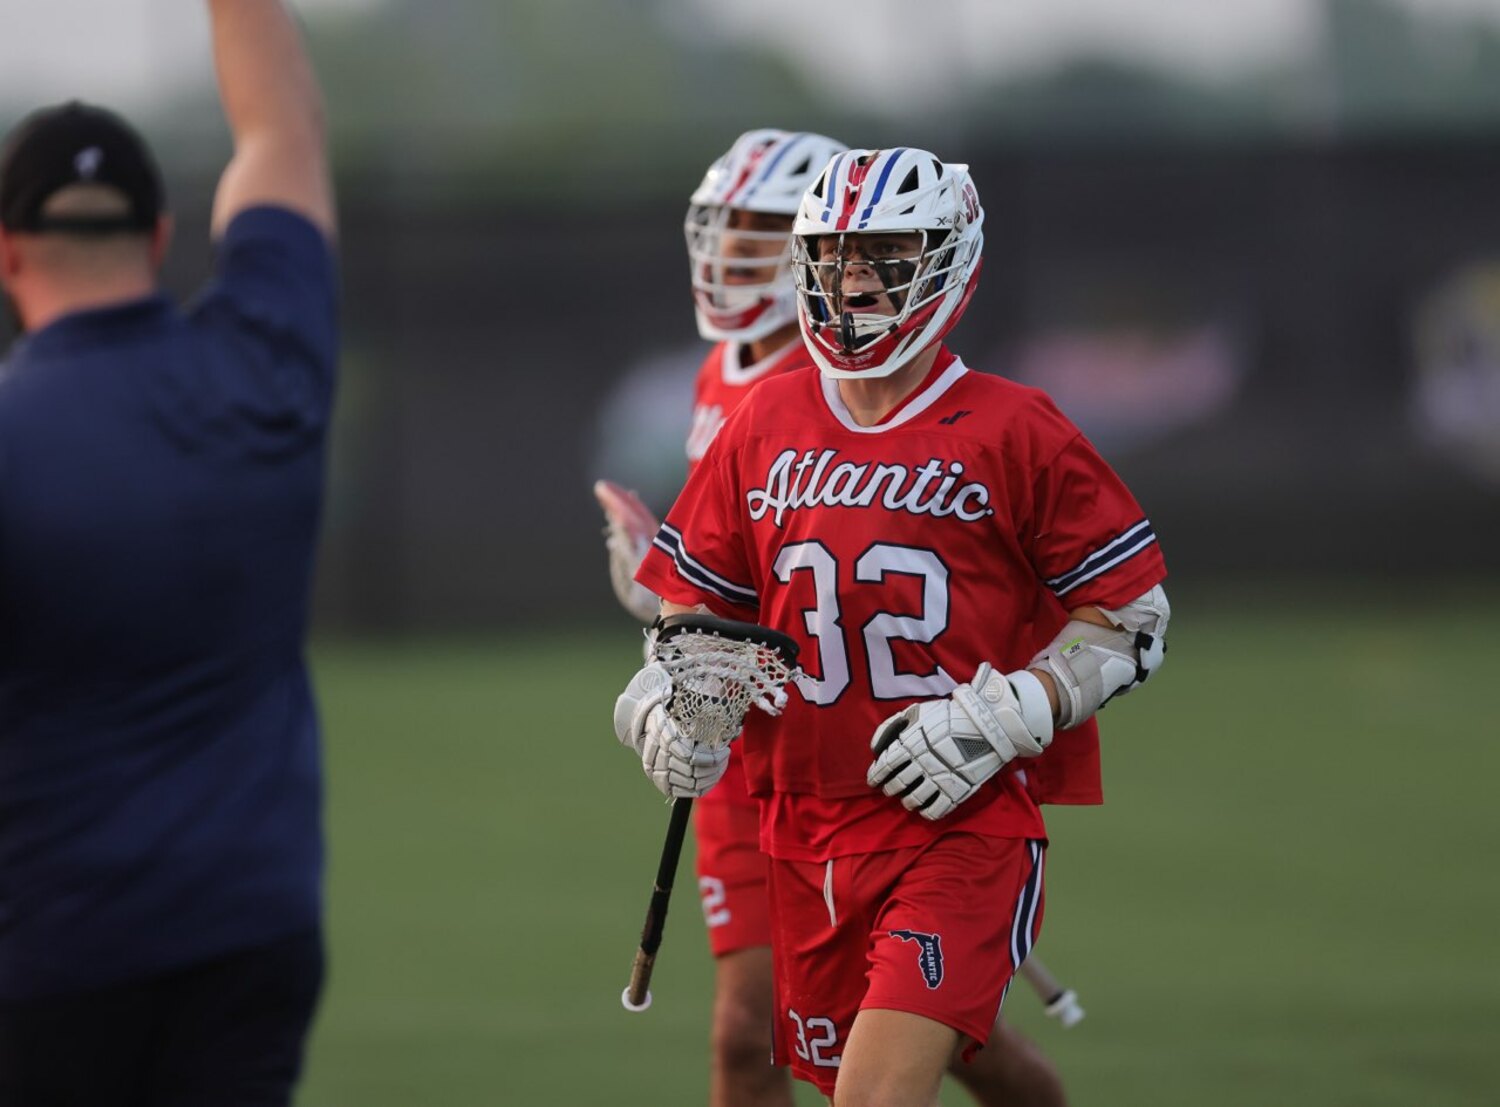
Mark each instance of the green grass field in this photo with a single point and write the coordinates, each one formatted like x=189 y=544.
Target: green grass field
x=1291 y=896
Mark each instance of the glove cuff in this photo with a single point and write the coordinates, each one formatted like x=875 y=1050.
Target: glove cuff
x=1036 y=708
x=1012 y=726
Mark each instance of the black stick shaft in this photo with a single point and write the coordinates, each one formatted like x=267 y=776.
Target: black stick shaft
x=661 y=895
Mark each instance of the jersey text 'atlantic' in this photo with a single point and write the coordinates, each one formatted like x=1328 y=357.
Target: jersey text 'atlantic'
x=817 y=479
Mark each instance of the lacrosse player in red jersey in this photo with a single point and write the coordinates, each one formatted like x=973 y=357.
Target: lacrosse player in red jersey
x=738 y=230
x=969 y=583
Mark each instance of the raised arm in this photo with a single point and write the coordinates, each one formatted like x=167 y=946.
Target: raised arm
x=275 y=113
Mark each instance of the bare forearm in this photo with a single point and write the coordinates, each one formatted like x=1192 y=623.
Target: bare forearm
x=266 y=82
x=275 y=113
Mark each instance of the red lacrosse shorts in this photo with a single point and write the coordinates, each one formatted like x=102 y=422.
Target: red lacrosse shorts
x=935 y=930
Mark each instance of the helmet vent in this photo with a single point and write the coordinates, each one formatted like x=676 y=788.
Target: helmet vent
x=802 y=167
x=909 y=184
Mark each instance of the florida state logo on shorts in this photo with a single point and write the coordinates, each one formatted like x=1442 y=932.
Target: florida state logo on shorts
x=929 y=953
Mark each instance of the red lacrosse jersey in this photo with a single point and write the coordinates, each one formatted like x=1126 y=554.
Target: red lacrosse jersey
x=960 y=529
x=722 y=383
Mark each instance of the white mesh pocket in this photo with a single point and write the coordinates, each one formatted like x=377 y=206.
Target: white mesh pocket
x=715 y=680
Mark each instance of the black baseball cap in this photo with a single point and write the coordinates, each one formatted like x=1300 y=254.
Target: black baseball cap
x=76 y=143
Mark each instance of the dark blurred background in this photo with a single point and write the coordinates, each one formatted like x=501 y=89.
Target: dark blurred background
x=1256 y=257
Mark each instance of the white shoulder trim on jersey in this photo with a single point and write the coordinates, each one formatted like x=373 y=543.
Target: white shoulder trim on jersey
x=914 y=407
x=669 y=541
x=733 y=373
x=1117 y=550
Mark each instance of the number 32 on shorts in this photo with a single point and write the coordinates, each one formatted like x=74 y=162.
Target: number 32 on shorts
x=815 y=1037
x=823 y=621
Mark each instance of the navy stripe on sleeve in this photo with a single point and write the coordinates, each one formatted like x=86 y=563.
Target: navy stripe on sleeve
x=669 y=541
x=1115 y=552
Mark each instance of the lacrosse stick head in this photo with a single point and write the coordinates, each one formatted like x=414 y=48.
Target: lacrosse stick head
x=720 y=668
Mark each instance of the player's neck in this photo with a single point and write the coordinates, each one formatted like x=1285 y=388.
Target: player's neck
x=756 y=352
x=871 y=400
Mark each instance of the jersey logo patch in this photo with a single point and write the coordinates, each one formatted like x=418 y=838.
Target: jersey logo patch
x=929 y=955
x=955 y=417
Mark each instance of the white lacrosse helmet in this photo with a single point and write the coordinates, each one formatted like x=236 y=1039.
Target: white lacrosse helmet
x=872 y=192
x=741 y=298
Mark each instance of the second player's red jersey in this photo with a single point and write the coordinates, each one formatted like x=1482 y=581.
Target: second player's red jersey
x=960 y=529
x=722 y=383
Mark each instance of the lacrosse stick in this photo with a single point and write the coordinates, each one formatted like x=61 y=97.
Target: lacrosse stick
x=719 y=668
x=1061 y=1003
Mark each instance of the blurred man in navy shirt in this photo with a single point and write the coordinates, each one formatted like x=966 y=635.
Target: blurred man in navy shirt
x=161 y=476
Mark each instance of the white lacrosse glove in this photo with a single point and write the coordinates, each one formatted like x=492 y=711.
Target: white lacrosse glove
x=629 y=528
x=936 y=754
x=677 y=765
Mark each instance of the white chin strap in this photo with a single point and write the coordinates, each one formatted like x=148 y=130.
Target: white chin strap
x=1091 y=664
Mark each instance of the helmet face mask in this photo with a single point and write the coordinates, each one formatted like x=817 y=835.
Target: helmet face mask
x=741 y=275
x=861 y=286
x=886 y=254
x=738 y=231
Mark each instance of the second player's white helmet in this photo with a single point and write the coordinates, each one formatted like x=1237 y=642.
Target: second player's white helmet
x=872 y=192
x=742 y=283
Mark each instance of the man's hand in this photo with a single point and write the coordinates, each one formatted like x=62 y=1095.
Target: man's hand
x=935 y=755
x=677 y=766
x=628 y=533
